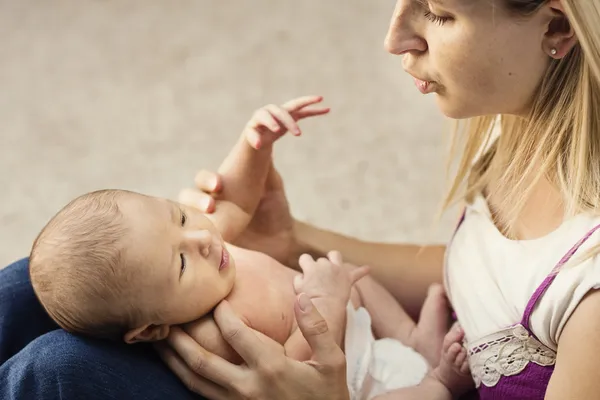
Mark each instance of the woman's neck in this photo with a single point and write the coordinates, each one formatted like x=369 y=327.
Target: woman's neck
x=542 y=212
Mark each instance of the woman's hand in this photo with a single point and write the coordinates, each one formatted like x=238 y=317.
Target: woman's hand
x=267 y=372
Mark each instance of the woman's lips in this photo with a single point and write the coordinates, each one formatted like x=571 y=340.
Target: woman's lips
x=424 y=86
x=224 y=259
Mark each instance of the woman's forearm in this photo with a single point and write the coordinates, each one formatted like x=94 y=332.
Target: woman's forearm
x=406 y=270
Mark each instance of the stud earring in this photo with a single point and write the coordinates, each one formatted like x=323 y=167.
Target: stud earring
x=553 y=52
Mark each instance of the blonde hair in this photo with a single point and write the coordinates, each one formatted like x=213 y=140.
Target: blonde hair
x=77 y=269
x=559 y=140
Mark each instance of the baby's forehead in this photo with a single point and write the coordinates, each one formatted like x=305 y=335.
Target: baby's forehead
x=148 y=221
x=146 y=207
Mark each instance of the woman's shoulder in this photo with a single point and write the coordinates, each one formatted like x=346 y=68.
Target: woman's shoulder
x=579 y=275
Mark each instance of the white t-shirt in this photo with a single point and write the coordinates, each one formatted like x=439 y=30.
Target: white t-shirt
x=490 y=279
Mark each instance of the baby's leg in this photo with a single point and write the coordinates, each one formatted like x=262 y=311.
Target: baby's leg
x=433 y=325
x=430 y=389
x=453 y=371
x=391 y=321
x=449 y=380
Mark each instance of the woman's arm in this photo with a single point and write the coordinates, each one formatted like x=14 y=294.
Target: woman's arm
x=405 y=270
x=578 y=361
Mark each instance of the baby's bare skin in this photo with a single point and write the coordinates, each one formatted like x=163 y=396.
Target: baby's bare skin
x=263 y=296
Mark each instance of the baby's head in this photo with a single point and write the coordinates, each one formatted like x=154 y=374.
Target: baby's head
x=121 y=265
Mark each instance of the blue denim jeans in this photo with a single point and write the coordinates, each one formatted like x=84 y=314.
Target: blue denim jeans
x=42 y=362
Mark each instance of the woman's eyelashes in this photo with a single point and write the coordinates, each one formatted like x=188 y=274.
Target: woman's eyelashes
x=183 y=218
x=436 y=18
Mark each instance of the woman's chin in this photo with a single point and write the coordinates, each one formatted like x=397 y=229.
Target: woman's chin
x=453 y=109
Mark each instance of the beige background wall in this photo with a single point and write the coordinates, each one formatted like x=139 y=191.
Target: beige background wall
x=139 y=94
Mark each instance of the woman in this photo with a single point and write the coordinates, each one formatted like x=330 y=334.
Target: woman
x=527 y=305
x=537 y=64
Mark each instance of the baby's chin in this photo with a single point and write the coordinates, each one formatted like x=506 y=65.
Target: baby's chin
x=229 y=274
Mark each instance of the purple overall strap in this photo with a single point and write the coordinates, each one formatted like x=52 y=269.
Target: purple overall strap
x=550 y=278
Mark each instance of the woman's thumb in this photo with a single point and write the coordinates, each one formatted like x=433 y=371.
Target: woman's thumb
x=316 y=332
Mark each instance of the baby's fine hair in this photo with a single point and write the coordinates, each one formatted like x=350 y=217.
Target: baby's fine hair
x=77 y=269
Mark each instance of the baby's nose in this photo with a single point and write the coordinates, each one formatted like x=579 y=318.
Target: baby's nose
x=201 y=239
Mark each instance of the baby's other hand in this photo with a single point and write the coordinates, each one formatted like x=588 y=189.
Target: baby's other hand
x=327 y=277
x=271 y=122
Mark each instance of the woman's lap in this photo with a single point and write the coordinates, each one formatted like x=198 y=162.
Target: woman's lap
x=42 y=362
x=22 y=318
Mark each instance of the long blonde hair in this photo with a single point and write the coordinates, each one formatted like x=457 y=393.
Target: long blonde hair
x=559 y=140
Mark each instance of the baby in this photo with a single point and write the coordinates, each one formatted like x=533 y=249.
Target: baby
x=120 y=265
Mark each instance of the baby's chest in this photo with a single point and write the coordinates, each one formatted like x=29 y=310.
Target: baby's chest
x=265 y=300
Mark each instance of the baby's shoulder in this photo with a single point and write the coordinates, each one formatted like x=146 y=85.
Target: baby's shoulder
x=263 y=294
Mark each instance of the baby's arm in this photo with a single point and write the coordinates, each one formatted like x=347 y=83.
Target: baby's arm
x=388 y=318
x=206 y=332
x=245 y=170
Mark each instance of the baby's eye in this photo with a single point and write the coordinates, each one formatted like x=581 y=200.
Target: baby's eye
x=182 y=264
x=183 y=218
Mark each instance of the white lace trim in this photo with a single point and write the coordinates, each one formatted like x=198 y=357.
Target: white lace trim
x=506 y=353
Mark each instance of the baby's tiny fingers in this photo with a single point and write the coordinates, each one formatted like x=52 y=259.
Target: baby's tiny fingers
x=301 y=114
x=305 y=261
x=264 y=118
x=335 y=257
x=298 y=280
x=284 y=118
x=253 y=137
x=357 y=274
x=301 y=102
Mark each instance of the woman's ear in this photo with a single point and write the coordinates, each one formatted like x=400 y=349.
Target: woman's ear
x=147 y=333
x=560 y=37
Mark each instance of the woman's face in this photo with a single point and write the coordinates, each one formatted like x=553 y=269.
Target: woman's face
x=473 y=54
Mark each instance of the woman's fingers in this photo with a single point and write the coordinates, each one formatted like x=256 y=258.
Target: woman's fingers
x=208 y=181
x=202 y=362
x=200 y=200
x=191 y=380
x=244 y=340
x=314 y=328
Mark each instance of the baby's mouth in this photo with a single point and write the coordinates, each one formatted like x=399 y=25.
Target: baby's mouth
x=224 y=259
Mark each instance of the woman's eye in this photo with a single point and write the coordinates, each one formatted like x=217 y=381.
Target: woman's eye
x=182 y=264
x=183 y=218
x=436 y=18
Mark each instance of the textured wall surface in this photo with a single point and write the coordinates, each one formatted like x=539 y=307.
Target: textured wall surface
x=139 y=94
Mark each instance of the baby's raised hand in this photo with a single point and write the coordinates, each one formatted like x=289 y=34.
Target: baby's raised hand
x=271 y=122
x=327 y=277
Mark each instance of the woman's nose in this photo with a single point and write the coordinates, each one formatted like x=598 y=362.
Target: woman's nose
x=199 y=239
x=401 y=36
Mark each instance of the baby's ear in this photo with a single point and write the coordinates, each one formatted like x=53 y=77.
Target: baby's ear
x=147 y=333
